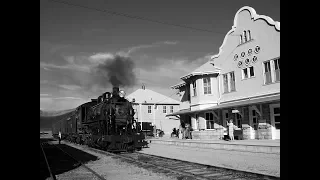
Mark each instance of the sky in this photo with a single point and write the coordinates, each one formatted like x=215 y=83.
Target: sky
x=81 y=48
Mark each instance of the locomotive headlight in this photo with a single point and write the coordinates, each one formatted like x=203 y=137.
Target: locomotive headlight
x=122 y=93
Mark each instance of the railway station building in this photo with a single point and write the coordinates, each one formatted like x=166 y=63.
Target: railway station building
x=241 y=82
x=152 y=107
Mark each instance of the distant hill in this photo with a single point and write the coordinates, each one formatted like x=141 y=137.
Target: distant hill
x=47 y=118
x=54 y=113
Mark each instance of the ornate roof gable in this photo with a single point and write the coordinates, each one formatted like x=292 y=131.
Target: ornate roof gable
x=254 y=17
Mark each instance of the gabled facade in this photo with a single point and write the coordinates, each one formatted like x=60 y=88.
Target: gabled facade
x=244 y=79
x=150 y=106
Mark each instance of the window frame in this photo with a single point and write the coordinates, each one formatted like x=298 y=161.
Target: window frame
x=207 y=85
x=248 y=72
x=225 y=81
x=249 y=35
x=238 y=117
x=209 y=119
x=164 y=109
x=149 y=109
x=245 y=36
x=272 y=70
x=276 y=63
x=194 y=88
x=171 y=109
x=230 y=82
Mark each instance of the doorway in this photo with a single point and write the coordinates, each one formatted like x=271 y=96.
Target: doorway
x=275 y=120
x=254 y=123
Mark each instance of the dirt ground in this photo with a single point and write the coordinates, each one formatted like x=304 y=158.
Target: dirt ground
x=114 y=169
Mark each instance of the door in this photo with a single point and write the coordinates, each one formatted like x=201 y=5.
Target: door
x=238 y=120
x=275 y=120
x=254 y=122
x=197 y=122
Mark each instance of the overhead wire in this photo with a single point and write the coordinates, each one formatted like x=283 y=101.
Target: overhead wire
x=137 y=17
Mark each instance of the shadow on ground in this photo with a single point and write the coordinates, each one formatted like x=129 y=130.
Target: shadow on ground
x=60 y=161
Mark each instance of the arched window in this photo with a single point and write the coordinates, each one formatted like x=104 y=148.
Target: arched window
x=249 y=35
x=240 y=39
x=245 y=36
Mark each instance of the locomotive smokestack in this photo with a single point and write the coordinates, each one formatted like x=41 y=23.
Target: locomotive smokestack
x=115 y=90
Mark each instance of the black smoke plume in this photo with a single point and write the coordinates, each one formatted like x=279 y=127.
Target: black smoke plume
x=118 y=71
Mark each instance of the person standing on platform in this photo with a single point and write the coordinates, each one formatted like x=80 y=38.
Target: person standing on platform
x=230 y=130
x=180 y=132
x=59 y=137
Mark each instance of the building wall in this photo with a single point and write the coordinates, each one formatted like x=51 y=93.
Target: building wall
x=202 y=101
x=157 y=116
x=263 y=35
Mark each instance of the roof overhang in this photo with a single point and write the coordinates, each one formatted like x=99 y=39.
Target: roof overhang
x=177 y=86
x=236 y=103
x=199 y=74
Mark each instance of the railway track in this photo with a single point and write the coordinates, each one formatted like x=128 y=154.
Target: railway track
x=55 y=153
x=183 y=169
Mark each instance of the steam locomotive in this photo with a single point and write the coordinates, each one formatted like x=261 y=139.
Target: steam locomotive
x=105 y=123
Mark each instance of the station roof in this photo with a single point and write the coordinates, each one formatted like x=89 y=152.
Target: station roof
x=243 y=102
x=205 y=69
x=152 y=97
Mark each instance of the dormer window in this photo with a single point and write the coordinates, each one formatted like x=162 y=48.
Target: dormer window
x=206 y=86
x=194 y=84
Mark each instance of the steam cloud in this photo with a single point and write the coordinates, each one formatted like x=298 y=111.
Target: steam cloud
x=118 y=71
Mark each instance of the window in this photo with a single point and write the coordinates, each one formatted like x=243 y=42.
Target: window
x=245 y=36
x=164 y=109
x=254 y=117
x=225 y=116
x=277 y=69
x=276 y=115
x=149 y=110
x=232 y=81
x=229 y=82
x=238 y=120
x=225 y=83
x=209 y=120
x=171 y=109
x=245 y=73
x=206 y=86
x=267 y=72
x=248 y=72
x=251 y=71
x=197 y=121
x=272 y=71
x=194 y=88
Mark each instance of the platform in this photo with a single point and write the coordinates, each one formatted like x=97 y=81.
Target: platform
x=259 y=146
